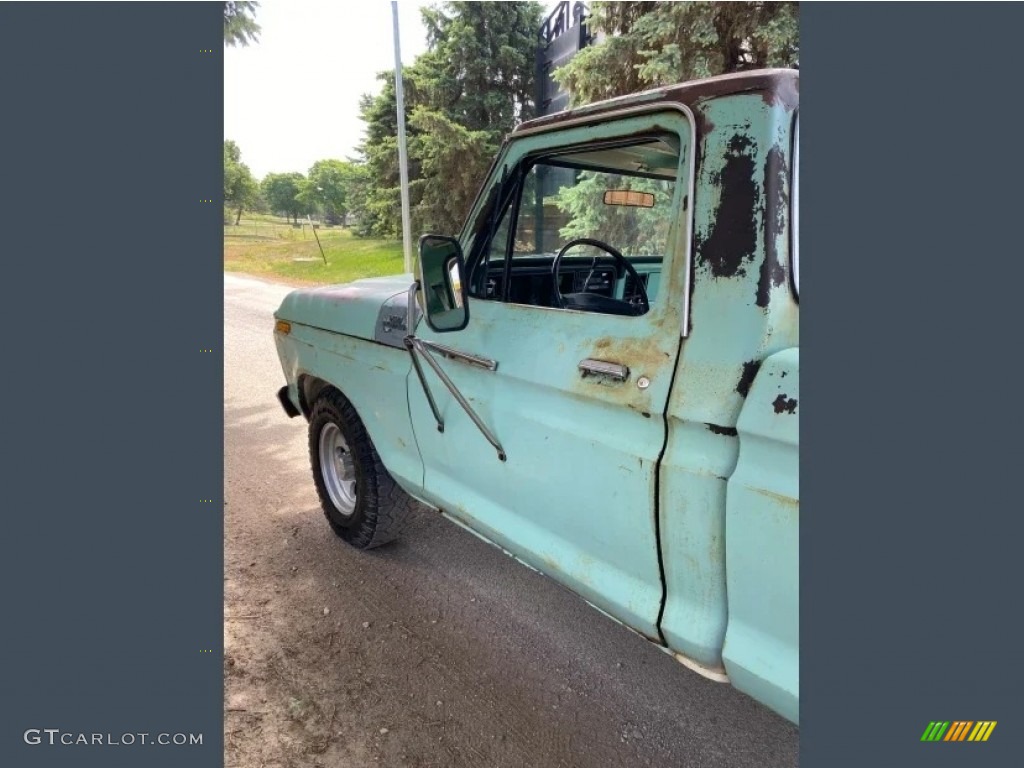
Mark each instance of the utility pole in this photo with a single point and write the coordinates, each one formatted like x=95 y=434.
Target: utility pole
x=403 y=160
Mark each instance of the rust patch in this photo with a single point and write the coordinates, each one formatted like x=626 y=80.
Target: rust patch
x=730 y=431
x=785 y=501
x=733 y=236
x=639 y=355
x=777 y=199
x=703 y=123
x=776 y=87
x=550 y=563
x=784 y=404
x=784 y=93
x=693 y=285
x=750 y=369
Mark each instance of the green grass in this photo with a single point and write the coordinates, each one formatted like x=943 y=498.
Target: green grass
x=269 y=246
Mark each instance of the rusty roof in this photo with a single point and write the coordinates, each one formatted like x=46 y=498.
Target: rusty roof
x=777 y=86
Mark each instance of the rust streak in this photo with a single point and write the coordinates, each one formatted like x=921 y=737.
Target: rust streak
x=786 y=501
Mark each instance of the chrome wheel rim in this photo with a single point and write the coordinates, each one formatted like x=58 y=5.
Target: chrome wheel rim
x=338 y=469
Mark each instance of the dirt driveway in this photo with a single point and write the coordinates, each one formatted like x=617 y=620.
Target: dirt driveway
x=435 y=651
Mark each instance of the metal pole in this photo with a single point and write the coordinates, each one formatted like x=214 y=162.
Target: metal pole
x=324 y=255
x=403 y=160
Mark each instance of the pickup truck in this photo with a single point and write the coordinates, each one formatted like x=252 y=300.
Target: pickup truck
x=600 y=374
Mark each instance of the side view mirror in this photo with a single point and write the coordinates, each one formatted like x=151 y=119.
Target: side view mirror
x=445 y=301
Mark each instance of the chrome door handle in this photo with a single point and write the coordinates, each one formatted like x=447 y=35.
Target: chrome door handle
x=616 y=371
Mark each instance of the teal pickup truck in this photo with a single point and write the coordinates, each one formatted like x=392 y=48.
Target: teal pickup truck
x=600 y=374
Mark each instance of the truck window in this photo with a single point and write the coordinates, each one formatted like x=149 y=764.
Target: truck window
x=561 y=204
x=621 y=194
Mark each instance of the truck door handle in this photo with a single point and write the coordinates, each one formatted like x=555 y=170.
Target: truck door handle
x=616 y=371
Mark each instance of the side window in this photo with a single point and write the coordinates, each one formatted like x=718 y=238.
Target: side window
x=498 y=245
x=619 y=197
x=564 y=204
x=487 y=260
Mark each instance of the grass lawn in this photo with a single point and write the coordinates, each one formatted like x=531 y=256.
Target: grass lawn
x=270 y=247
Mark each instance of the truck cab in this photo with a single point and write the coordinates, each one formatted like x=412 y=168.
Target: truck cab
x=599 y=374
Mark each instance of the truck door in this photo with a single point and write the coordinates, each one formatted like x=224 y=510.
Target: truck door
x=571 y=373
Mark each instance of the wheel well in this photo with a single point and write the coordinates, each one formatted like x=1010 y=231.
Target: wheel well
x=310 y=388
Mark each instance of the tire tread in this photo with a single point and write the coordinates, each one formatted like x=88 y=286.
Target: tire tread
x=383 y=508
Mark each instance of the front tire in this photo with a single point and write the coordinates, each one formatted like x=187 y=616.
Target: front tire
x=362 y=503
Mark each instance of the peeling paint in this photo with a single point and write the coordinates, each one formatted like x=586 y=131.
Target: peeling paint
x=750 y=369
x=728 y=431
x=777 y=201
x=784 y=404
x=733 y=236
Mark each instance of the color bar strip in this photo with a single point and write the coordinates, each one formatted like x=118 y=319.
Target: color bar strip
x=958 y=730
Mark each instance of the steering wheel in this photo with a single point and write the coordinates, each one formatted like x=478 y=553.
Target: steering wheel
x=593 y=302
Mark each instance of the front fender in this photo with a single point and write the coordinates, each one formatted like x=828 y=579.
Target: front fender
x=374 y=378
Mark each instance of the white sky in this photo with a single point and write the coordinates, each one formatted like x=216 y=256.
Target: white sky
x=293 y=98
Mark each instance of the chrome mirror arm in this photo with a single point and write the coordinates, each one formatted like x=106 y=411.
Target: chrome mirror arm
x=415 y=346
x=410 y=344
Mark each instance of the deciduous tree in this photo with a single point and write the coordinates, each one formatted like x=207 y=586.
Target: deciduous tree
x=240 y=188
x=328 y=187
x=282 y=193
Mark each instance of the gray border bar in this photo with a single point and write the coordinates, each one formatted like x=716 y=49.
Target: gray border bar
x=911 y=531
x=111 y=555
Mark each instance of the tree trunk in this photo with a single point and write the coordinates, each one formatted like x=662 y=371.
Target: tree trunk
x=238 y=218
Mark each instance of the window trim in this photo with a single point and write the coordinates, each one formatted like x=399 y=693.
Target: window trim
x=524 y=167
x=550 y=159
x=685 y=261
